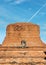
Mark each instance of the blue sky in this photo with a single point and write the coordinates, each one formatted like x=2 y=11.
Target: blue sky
x=12 y=11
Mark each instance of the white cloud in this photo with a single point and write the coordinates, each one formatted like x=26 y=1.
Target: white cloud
x=19 y=1
x=30 y=9
x=4 y=12
x=43 y=26
x=44 y=32
x=1 y=22
x=16 y=1
x=42 y=13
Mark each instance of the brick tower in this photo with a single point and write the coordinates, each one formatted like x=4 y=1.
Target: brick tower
x=23 y=32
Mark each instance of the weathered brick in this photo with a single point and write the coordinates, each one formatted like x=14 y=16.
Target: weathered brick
x=23 y=45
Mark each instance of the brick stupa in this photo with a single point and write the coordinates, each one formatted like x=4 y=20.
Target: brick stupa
x=23 y=45
x=23 y=32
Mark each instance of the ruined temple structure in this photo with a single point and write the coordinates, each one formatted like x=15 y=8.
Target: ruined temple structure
x=23 y=45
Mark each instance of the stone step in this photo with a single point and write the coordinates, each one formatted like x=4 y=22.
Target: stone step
x=27 y=54
x=25 y=64
x=22 y=60
x=13 y=48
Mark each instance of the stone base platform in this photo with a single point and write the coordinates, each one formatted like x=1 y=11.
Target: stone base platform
x=23 y=56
